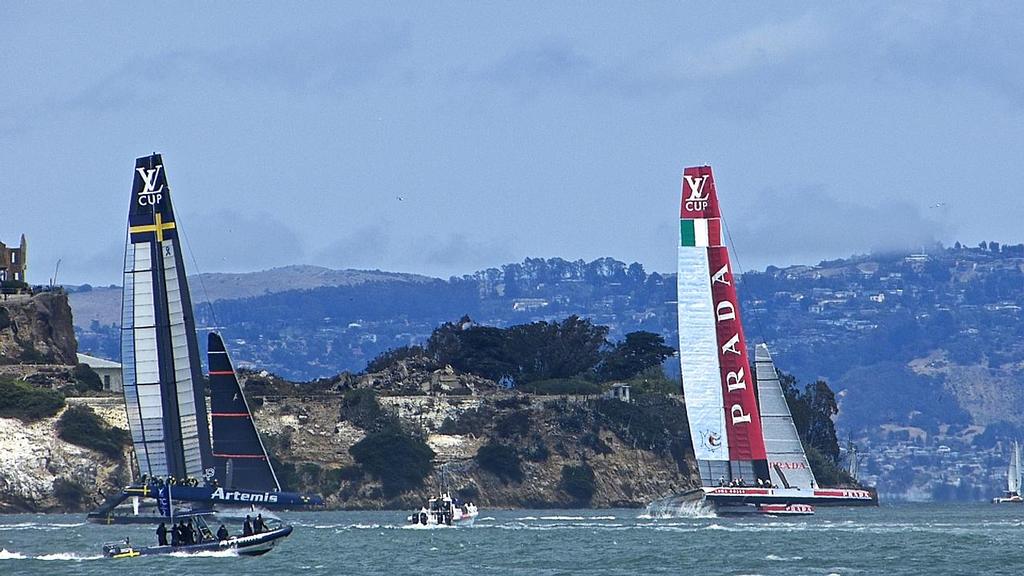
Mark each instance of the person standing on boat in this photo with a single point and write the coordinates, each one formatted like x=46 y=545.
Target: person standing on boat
x=161 y=534
x=247 y=527
x=259 y=527
x=222 y=533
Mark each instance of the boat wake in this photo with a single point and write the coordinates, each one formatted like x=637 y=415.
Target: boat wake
x=66 y=556
x=230 y=553
x=673 y=508
x=5 y=555
x=43 y=526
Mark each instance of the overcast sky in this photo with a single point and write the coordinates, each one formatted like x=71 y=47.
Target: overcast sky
x=446 y=138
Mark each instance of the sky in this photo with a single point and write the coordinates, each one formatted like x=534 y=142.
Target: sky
x=444 y=138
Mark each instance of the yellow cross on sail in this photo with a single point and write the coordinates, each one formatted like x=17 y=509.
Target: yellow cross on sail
x=158 y=226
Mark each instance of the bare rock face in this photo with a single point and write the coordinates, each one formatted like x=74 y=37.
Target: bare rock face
x=37 y=329
x=39 y=472
x=418 y=375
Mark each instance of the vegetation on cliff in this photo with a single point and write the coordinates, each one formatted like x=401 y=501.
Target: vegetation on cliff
x=564 y=357
x=81 y=426
x=27 y=402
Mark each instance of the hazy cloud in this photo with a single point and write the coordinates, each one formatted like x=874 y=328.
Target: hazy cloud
x=229 y=241
x=807 y=225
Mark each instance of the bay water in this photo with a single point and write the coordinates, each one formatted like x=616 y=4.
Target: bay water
x=917 y=539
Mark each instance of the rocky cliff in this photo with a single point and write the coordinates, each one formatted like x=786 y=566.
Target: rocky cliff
x=39 y=472
x=37 y=329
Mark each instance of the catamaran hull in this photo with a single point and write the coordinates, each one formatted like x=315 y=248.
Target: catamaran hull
x=255 y=545
x=819 y=497
x=111 y=512
x=736 y=501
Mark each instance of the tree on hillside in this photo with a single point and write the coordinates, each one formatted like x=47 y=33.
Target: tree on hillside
x=813 y=410
x=636 y=353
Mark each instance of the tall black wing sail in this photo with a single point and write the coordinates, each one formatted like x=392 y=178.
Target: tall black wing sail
x=240 y=459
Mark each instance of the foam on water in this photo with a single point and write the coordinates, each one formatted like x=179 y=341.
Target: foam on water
x=205 y=554
x=775 y=558
x=667 y=509
x=5 y=555
x=71 y=556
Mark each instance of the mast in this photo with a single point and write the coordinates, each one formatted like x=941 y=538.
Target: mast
x=725 y=423
x=163 y=383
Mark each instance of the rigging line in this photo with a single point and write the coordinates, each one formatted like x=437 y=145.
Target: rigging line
x=739 y=267
x=202 y=283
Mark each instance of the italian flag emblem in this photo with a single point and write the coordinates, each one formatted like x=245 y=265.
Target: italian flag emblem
x=700 y=232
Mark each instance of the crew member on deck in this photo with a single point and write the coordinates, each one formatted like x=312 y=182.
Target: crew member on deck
x=161 y=534
x=222 y=533
x=247 y=527
x=258 y=527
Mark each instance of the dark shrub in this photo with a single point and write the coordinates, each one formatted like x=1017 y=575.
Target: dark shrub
x=502 y=461
x=81 y=426
x=537 y=451
x=469 y=422
x=391 y=357
x=513 y=424
x=361 y=407
x=86 y=379
x=70 y=494
x=400 y=461
x=578 y=482
x=28 y=403
x=468 y=493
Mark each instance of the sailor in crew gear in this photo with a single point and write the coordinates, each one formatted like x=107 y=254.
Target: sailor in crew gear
x=222 y=533
x=258 y=527
x=161 y=534
x=247 y=527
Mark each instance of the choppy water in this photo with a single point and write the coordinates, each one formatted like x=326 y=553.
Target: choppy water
x=906 y=539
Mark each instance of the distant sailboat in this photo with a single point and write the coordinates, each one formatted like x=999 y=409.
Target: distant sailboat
x=749 y=455
x=852 y=464
x=163 y=380
x=1013 y=479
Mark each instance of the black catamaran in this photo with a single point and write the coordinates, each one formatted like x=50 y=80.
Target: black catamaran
x=163 y=380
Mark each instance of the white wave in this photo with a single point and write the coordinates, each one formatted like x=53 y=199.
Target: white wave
x=675 y=509
x=5 y=555
x=68 y=556
x=426 y=527
x=775 y=558
x=43 y=526
x=571 y=518
x=206 y=554
x=527 y=518
x=485 y=518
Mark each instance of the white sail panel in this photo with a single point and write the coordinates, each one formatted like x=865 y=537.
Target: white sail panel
x=182 y=367
x=1013 y=477
x=698 y=359
x=787 y=461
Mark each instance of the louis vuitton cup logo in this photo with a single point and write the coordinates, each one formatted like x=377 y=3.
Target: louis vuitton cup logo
x=696 y=200
x=150 y=195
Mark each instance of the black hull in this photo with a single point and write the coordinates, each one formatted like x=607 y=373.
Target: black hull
x=255 y=545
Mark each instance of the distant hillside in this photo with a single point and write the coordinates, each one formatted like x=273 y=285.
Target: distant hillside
x=905 y=339
x=103 y=304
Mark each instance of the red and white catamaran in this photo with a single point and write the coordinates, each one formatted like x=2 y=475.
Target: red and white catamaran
x=748 y=451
